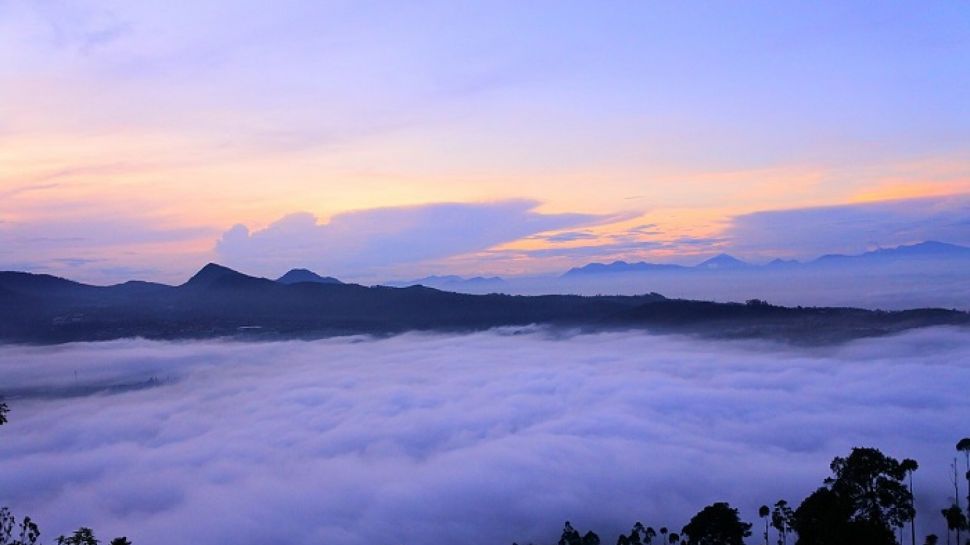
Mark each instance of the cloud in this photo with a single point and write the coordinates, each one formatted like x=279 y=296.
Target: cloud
x=474 y=439
x=361 y=241
x=853 y=228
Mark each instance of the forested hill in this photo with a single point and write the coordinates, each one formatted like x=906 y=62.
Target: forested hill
x=218 y=301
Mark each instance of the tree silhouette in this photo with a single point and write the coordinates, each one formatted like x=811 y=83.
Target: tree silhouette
x=11 y=533
x=872 y=485
x=909 y=466
x=763 y=512
x=955 y=521
x=781 y=520
x=674 y=538
x=3 y=413
x=570 y=536
x=826 y=518
x=124 y=541
x=663 y=532
x=963 y=445
x=717 y=524
x=650 y=534
x=81 y=536
x=931 y=539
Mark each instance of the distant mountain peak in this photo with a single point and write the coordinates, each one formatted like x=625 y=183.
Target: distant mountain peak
x=296 y=276
x=722 y=261
x=212 y=272
x=929 y=249
x=620 y=267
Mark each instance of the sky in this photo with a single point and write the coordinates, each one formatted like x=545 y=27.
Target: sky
x=374 y=140
x=480 y=439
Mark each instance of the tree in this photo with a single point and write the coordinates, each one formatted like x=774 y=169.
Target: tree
x=635 y=533
x=11 y=533
x=650 y=534
x=3 y=413
x=861 y=503
x=763 y=512
x=590 y=538
x=825 y=518
x=781 y=520
x=674 y=538
x=570 y=536
x=931 y=539
x=717 y=524
x=663 y=532
x=955 y=521
x=963 y=445
x=81 y=536
x=871 y=483
x=909 y=465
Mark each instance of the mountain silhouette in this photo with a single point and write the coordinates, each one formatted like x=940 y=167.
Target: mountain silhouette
x=900 y=255
x=722 y=261
x=621 y=267
x=913 y=252
x=295 y=276
x=454 y=282
x=220 y=302
x=213 y=274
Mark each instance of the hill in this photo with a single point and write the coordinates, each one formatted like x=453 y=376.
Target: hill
x=219 y=302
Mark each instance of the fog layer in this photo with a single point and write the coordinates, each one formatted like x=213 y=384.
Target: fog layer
x=474 y=439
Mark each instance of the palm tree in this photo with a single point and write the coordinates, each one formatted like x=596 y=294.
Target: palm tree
x=909 y=466
x=674 y=538
x=963 y=445
x=663 y=532
x=955 y=521
x=651 y=533
x=763 y=512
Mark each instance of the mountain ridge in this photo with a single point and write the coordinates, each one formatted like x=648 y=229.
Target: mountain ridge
x=220 y=302
x=720 y=262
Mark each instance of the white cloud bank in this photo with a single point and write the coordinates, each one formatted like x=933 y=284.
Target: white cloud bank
x=476 y=439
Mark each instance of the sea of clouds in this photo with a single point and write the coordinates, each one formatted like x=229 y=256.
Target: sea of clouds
x=485 y=438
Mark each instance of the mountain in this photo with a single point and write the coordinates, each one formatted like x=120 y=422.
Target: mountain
x=722 y=262
x=213 y=274
x=454 y=282
x=220 y=302
x=923 y=251
x=718 y=262
x=295 y=276
x=621 y=267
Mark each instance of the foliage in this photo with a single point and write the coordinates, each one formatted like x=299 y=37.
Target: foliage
x=955 y=519
x=11 y=533
x=782 y=517
x=872 y=486
x=570 y=536
x=81 y=536
x=717 y=524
